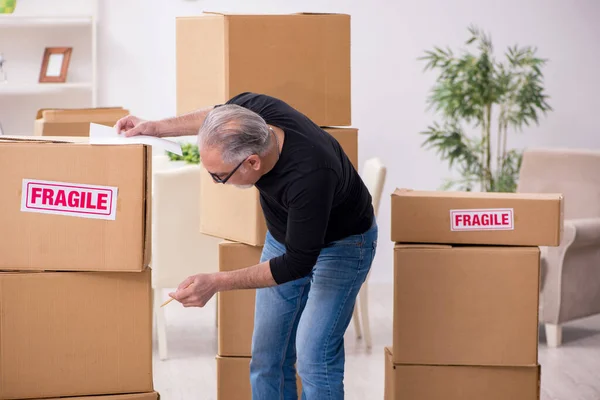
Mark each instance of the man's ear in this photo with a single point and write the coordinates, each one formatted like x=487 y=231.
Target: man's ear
x=254 y=162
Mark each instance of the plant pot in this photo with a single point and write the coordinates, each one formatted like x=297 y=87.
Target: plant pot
x=7 y=6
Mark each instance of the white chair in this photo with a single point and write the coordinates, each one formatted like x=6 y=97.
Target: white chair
x=178 y=248
x=373 y=175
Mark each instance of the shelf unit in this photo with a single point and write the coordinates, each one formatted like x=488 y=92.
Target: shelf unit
x=24 y=36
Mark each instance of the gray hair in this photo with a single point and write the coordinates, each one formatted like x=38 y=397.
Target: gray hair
x=236 y=131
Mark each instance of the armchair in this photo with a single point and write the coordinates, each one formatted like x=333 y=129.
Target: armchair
x=178 y=248
x=570 y=282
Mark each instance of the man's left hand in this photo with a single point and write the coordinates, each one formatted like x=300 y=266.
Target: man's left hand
x=196 y=290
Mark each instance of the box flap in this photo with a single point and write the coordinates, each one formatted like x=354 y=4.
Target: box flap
x=227 y=13
x=403 y=192
x=422 y=246
x=45 y=139
x=80 y=114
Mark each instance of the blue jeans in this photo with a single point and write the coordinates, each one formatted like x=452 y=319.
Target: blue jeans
x=302 y=323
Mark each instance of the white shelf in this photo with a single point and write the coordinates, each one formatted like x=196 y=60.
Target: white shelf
x=41 y=88
x=19 y=21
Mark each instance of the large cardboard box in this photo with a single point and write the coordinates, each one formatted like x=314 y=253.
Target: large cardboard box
x=131 y=396
x=236 y=307
x=233 y=379
x=463 y=305
x=302 y=59
x=446 y=382
x=68 y=205
x=75 y=334
x=235 y=214
x=517 y=219
x=75 y=121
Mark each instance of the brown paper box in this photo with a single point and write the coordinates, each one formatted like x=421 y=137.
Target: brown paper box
x=233 y=379
x=466 y=305
x=31 y=168
x=235 y=214
x=442 y=382
x=75 y=122
x=303 y=59
x=132 y=396
x=514 y=219
x=236 y=307
x=75 y=334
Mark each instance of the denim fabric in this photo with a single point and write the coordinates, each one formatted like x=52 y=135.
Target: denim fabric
x=301 y=324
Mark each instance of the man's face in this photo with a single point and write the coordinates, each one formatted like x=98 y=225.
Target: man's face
x=243 y=174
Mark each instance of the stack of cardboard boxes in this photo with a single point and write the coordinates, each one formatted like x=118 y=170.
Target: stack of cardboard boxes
x=75 y=293
x=466 y=294
x=302 y=59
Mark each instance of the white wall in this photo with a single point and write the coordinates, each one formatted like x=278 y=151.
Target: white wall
x=389 y=89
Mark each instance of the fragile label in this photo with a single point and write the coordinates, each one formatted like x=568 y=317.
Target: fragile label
x=72 y=199
x=482 y=219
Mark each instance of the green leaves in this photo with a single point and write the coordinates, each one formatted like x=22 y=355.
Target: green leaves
x=469 y=87
x=191 y=155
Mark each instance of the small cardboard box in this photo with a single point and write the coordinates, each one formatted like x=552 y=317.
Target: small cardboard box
x=131 y=396
x=68 y=205
x=445 y=382
x=75 y=121
x=302 y=59
x=75 y=334
x=235 y=308
x=462 y=305
x=514 y=219
x=235 y=214
x=233 y=379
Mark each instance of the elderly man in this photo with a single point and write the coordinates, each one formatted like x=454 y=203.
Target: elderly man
x=321 y=240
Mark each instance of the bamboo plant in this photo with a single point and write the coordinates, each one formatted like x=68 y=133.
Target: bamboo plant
x=476 y=92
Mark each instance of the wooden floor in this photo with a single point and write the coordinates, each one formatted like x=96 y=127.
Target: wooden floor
x=571 y=372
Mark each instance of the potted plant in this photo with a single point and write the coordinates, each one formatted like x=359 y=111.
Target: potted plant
x=190 y=154
x=474 y=91
x=7 y=6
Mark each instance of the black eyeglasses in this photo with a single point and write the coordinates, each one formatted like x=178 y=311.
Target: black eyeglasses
x=229 y=175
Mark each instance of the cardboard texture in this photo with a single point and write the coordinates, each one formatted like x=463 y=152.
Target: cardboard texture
x=76 y=121
x=302 y=59
x=133 y=396
x=466 y=305
x=516 y=219
x=235 y=214
x=233 y=379
x=75 y=334
x=235 y=308
x=74 y=206
x=427 y=382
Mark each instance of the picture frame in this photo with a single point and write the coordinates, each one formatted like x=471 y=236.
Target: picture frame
x=55 y=64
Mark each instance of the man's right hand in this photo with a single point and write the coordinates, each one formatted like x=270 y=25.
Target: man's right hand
x=132 y=126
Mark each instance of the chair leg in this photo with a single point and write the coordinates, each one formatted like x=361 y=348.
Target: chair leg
x=553 y=335
x=161 y=325
x=356 y=319
x=217 y=310
x=364 y=311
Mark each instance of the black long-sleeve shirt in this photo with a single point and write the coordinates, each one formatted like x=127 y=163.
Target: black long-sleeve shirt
x=313 y=196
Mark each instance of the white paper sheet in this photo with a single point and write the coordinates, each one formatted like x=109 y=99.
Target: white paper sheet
x=102 y=134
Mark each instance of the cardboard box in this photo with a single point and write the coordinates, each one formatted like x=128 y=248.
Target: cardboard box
x=514 y=219
x=235 y=308
x=443 y=382
x=466 y=305
x=75 y=121
x=235 y=214
x=132 y=396
x=74 y=206
x=75 y=334
x=233 y=379
x=302 y=59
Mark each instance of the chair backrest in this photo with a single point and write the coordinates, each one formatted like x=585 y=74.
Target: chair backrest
x=574 y=173
x=373 y=175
